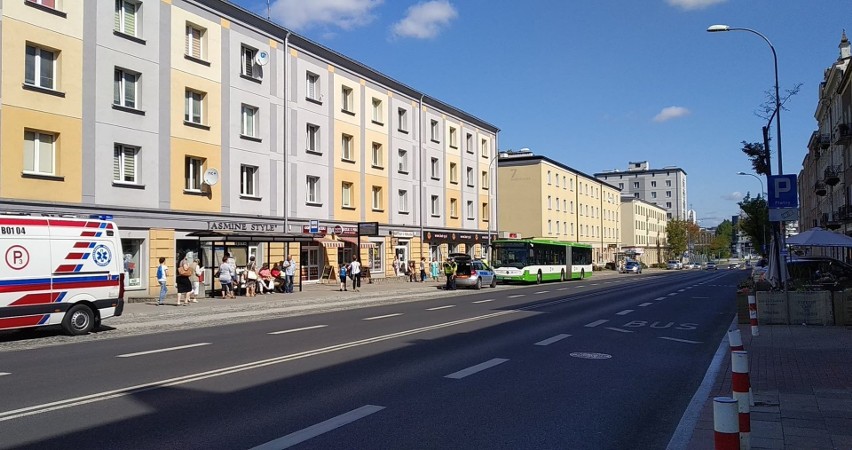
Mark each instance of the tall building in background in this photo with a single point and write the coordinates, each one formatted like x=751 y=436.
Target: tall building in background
x=664 y=187
x=643 y=231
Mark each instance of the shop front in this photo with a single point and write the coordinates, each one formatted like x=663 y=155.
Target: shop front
x=442 y=243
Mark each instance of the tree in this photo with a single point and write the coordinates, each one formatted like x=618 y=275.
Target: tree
x=758 y=156
x=755 y=224
x=726 y=228
x=758 y=153
x=676 y=234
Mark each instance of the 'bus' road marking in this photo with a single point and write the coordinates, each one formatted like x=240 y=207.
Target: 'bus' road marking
x=440 y=307
x=323 y=427
x=4 y=373
x=659 y=298
x=170 y=349
x=477 y=368
x=618 y=329
x=553 y=339
x=645 y=304
x=541 y=292
x=382 y=317
x=624 y=313
x=687 y=341
x=516 y=296
x=484 y=301
x=596 y=323
x=298 y=329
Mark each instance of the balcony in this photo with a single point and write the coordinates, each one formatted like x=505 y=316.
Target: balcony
x=842 y=134
x=844 y=214
x=831 y=175
x=820 y=189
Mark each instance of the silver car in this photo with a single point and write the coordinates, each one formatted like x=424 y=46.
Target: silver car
x=473 y=272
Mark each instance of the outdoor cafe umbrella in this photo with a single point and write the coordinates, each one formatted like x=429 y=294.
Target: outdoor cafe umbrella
x=776 y=273
x=817 y=237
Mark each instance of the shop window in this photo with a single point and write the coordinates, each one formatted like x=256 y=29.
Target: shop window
x=133 y=268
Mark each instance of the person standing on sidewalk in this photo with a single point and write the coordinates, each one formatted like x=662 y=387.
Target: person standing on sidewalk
x=355 y=267
x=226 y=277
x=450 y=272
x=290 y=272
x=197 y=279
x=422 y=269
x=435 y=269
x=182 y=281
x=162 y=278
x=341 y=274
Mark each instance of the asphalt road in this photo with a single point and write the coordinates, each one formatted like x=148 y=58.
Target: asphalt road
x=585 y=364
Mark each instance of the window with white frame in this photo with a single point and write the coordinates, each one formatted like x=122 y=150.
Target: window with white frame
x=378 y=111
x=454 y=208
x=433 y=129
x=557 y=180
x=484 y=148
x=249 y=121
x=312 y=185
x=195 y=36
x=470 y=210
x=549 y=227
x=312 y=138
x=565 y=205
x=402 y=118
x=377 y=198
x=126 y=12
x=193 y=170
x=564 y=182
x=557 y=203
x=454 y=138
x=435 y=206
x=470 y=177
x=621 y=185
x=668 y=194
x=548 y=177
x=346 y=148
x=468 y=142
x=313 y=86
x=346 y=194
x=558 y=227
x=548 y=203
x=653 y=195
x=668 y=183
x=435 y=168
x=486 y=213
x=39 y=153
x=403 y=161
x=347 y=99
x=48 y=3
x=572 y=207
x=40 y=67
x=635 y=185
x=377 y=157
x=653 y=184
x=248 y=180
x=124 y=163
x=194 y=107
x=124 y=92
x=454 y=176
x=668 y=204
x=485 y=184
x=403 y=201
x=247 y=67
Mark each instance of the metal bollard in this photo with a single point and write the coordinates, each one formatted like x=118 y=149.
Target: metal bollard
x=752 y=315
x=725 y=424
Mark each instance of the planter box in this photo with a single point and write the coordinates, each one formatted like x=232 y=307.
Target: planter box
x=843 y=307
x=796 y=307
x=742 y=309
x=772 y=308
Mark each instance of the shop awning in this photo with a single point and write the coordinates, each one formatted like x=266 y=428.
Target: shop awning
x=328 y=242
x=354 y=241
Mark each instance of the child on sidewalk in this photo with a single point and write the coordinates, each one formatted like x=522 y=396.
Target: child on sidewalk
x=341 y=275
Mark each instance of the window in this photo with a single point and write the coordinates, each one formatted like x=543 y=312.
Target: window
x=653 y=184
x=621 y=185
x=313 y=91
x=313 y=190
x=402 y=118
x=668 y=204
x=378 y=112
x=469 y=143
x=195 y=41
x=434 y=130
x=39 y=70
x=249 y=121
x=346 y=194
x=403 y=161
x=48 y=3
x=635 y=185
x=558 y=227
x=485 y=212
x=435 y=169
x=572 y=208
x=125 y=16
x=549 y=227
x=668 y=194
x=653 y=195
x=470 y=180
x=248 y=54
x=564 y=182
x=484 y=148
x=193 y=107
x=377 y=198
x=346 y=148
x=557 y=203
x=485 y=184
x=347 y=100
x=434 y=206
x=377 y=158
x=193 y=169
x=548 y=177
x=453 y=138
x=549 y=203
x=124 y=88
x=312 y=139
x=403 y=201
x=470 y=211
x=557 y=180
x=454 y=208
x=248 y=181
x=668 y=183
x=39 y=153
x=454 y=177
x=124 y=163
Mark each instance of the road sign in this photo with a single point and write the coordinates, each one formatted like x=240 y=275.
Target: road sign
x=783 y=214
x=783 y=192
x=314 y=227
x=368 y=228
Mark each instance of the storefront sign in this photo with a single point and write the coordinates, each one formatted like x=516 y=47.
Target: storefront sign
x=403 y=234
x=246 y=227
x=340 y=230
x=453 y=237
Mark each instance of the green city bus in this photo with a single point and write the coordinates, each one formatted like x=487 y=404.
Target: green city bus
x=536 y=260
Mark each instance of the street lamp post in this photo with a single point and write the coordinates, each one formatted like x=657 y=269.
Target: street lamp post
x=762 y=192
x=491 y=205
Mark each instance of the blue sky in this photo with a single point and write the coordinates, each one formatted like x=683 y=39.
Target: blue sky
x=595 y=84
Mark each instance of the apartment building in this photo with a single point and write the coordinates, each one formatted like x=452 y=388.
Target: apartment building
x=664 y=187
x=540 y=197
x=643 y=230
x=201 y=127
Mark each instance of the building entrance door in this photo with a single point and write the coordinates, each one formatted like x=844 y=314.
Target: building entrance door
x=310 y=263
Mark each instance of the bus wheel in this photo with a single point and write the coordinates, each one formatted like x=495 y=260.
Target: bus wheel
x=78 y=320
x=562 y=276
x=582 y=274
x=538 y=278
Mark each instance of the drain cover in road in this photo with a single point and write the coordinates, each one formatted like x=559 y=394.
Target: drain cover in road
x=590 y=355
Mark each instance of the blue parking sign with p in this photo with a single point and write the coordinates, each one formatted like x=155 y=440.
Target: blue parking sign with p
x=783 y=192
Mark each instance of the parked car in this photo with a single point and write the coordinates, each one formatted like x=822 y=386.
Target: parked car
x=632 y=267
x=691 y=265
x=674 y=265
x=473 y=273
x=710 y=266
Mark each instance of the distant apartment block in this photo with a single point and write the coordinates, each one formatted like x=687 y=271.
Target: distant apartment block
x=643 y=230
x=664 y=187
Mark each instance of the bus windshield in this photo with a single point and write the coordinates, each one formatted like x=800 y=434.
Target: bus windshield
x=511 y=255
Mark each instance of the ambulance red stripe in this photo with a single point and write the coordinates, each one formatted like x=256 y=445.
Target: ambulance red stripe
x=20 y=322
x=59 y=285
x=30 y=222
x=82 y=245
x=34 y=299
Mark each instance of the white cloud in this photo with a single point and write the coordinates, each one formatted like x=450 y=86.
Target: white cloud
x=735 y=196
x=671 y=112
x=425 y=20
x=345 y=14
x=689 y=5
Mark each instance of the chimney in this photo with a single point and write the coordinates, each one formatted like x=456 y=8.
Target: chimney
x=845 y=52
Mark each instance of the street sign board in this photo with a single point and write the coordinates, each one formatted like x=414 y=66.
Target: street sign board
x=314 y=227
x=783 y=192
x=783 y=214
x=368 y=228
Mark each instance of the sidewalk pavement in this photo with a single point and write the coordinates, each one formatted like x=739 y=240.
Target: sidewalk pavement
x=801 y=378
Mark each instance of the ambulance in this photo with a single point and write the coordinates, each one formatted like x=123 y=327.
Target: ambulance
x=63 y=271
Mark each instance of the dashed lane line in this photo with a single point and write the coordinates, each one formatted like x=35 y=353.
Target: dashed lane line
x=624 y=313
x=382 y=317
x=645 y=304
x=553 y=339
x=596 y=323
x=681 y=290
x=477 y=368
x=672 y=294
x=517 y=295
x=659 y=298
x=161 y=350
x=620 y=330
x=321 y=428
x=687 y=341
x=562 y=289
x=541 y=292
x=4 y=374
x=484 y=301
x=294 y=330
x=440 y=307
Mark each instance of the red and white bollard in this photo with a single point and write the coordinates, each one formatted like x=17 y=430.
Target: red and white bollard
x=752 y=315
x=742 y=393
x=726 y=429
x=735 y=339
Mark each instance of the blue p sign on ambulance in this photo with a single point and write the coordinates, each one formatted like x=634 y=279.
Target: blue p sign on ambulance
x=783 y=192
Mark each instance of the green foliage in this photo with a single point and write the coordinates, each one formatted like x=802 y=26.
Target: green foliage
x=676 y=234
x=755 y=224
x=758 y=155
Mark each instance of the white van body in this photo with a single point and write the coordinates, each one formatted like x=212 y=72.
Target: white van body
x=59 y=271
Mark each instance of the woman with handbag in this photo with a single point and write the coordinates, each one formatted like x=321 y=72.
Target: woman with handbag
x=251 y=278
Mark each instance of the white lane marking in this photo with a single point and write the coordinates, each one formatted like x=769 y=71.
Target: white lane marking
x=440 y=307
x=161 y=350
x=620 y=330
x=298 y=329
x=484 y=301
x=185 y=379
x=553 y=339
x=624 y=313
x=4 y=374
x=672 y=294
x=594 y=284
x=541 y=292
x=562 y=289
x=596 y=323
x=681 y=290
x=517 y=295
x=679 y=340
x=582 y=285
x=323 y=427
x=659 y=298
x=477 y=368
x=382 y=317
x=645 y=304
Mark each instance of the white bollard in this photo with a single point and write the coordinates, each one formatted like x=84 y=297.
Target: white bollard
x=726 y=427
x=752 y=315
x=735 y=339
x=742 y=393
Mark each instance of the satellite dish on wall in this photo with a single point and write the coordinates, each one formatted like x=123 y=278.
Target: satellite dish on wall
x=211 y=177
x=262 y=58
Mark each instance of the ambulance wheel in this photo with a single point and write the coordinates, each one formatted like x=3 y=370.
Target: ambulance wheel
x=80 y=319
